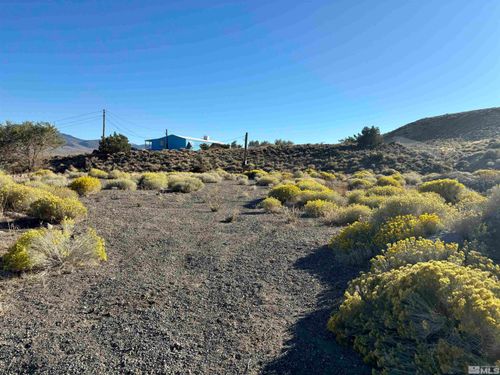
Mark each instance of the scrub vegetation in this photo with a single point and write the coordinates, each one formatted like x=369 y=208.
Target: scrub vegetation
x=419 y=251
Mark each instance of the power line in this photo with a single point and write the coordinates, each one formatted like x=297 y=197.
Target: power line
x=71 y=117
x=124 y=130
x=76 y=122
x=121 y=119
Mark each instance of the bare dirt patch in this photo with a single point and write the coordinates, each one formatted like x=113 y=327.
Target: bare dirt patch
x=184 y=291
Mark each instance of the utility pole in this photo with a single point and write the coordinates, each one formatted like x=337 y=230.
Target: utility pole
x=166 y=139
x=245 y=155
x=103 y=123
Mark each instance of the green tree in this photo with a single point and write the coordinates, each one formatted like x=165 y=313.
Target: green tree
x=114 y=143
x=23 y=146
x=369 y=137
x=283 y=142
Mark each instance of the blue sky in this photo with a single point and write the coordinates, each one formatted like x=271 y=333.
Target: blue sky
x=309 y=71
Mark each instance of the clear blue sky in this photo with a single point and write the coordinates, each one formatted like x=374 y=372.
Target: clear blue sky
x=309 y=71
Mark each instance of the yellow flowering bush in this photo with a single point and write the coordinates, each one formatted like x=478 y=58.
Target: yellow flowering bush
x=385 y=190
x=348 y=214
x=311 y=185
x=388 y=181
x=413 y=203
x=18 y=198
x=432 y=317
x=310 y=195
x=97 y=173
x=209 y=178
x=448 y=188
x=85 y=185
x=184 y=184
x=360 y=183
x=319 y=208
x=284 y=192
x=116 y=174
x=54 y=209
x=327 y=176
x=401 y=227
x=271 y=205
x=45 y=248
x=353 y=244
x=153 y=181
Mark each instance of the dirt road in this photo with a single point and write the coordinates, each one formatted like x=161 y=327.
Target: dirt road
x=185 y=291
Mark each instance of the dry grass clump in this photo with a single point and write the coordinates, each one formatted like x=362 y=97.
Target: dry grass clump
x=153 y=181
x=271 y=205
x=208 y=178
x=268 y=180
x=184 y=184
x=319 y=208
x=85 y=185
x=242 y=179
x=360 y=183
x=5 y=179
x=121 y=184
x=116 y=174
x=348 y=214
x=98 y=173
x=39 y=249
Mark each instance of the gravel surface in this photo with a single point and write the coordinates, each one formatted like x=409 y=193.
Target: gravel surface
x=185 y=291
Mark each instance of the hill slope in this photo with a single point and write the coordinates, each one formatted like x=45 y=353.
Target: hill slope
x=470 y=126
x=75 y=146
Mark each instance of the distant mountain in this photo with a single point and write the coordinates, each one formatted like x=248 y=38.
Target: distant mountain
x=76 y=146
x=469 y=126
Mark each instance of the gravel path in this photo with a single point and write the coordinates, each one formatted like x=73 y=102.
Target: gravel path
x=184 y=292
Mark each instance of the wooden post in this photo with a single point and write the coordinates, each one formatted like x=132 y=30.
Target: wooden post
x=166 y=139
x=245 y=155
x=103 y=123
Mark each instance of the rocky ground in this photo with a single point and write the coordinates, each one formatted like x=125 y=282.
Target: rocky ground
x=185 y=291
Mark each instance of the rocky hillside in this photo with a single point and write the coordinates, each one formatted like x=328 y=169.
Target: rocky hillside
x=324 y=157
x=469 y=126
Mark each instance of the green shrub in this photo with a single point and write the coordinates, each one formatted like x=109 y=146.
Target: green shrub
x=114 y=143
x=184 y=184
x=348 y=215
x=85 y=185
x=255 y=173
x=449 y=189
x=54 y=209
x=97 y=173
x=319 y=208
x=284 y=192
x=271 y=205
x=45 y=248
x=426 y=318
x=353 y=244
x=153 y=181
x=121 y=184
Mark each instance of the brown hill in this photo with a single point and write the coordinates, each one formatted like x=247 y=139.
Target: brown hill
x=470 y=126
